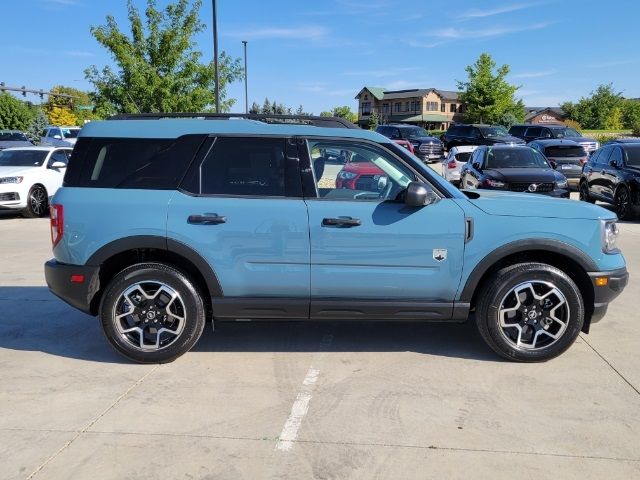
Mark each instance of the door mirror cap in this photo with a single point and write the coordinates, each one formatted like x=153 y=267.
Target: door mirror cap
x=613 y=163
x=418 y=194
x=476 y=165
x=553 y=164
x=58 y=165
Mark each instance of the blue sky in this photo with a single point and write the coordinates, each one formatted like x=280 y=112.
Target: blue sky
x=320 y=53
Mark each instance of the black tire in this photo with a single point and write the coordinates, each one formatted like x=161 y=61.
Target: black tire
x=188 y=305
x=501 y=285
x=583 y=190
x=622 y=200
x=37 y=203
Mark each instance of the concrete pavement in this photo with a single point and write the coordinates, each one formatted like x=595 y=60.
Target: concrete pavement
x=386 y=400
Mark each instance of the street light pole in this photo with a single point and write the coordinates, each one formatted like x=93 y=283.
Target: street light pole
x=215 y=54
x=246 y=96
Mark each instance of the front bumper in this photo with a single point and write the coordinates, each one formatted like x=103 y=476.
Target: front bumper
x=12 y=196
x=77 y=294
x=604 y=294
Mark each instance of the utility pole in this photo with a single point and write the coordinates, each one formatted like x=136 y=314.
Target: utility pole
x=246 y=95
x=215 y=54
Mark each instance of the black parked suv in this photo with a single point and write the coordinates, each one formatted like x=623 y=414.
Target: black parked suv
x=612 y=175
x=426 y=147
x=515 y=168
x=530 y=132
x=459 y=134
x=566 y=156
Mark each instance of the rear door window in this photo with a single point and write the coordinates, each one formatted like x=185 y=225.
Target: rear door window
x=533 y=132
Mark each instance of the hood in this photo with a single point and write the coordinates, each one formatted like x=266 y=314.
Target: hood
x=15 y=171
x=424 y=139
x=15 y=143
x=581 y=139
x=70 y=141
x=507 y=139
x=511 y=204
x=517 y=175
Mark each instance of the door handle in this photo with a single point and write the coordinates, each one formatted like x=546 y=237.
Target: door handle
x=208 y=219
x=341 y=222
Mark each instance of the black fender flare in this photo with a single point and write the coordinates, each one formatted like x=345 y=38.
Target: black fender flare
x=156 y=242
x=548 y=245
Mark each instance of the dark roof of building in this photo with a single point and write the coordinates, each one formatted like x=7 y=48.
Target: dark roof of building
x=531 y=112
x=383 y=94
x=377 y=92
x=447 y=94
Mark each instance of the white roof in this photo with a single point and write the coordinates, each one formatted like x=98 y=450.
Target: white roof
x=44 y=148
x=463 y=148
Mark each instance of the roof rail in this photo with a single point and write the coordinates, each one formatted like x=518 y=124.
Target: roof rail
x=330 y=122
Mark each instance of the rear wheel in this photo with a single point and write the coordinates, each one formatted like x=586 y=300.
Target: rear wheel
x=152 y=313
x=530 y=312
x=584 y=193
x=622 y=201
x=37 y=202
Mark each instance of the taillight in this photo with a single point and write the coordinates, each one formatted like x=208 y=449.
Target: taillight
x=452 y=164
x=57 y=223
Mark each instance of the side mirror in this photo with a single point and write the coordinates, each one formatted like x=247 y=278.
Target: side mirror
x=56 y=165
x=553 y=164
x=476 y=165
x=613 y=163
x=418 y=194
x=57 y=137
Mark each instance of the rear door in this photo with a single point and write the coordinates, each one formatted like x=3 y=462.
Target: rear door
x=611 y=176
x=372 y=256
x=596 y=175
x=241 y=209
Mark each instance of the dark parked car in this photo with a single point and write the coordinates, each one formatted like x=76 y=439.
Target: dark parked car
x=625 y=140
x=13 y=138
x=530 y=132
x=426 y=147
x=612 y=175
x=566 y=156
x=513 y=168
x=458 y=135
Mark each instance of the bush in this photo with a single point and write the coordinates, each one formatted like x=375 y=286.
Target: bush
x=436 y=133
x=635 y=129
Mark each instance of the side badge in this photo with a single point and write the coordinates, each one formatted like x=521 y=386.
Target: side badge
x=440 y=254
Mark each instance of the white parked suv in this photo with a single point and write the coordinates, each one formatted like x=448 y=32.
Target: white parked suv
x=60 y=136
x=30 y=176
x=454 y=161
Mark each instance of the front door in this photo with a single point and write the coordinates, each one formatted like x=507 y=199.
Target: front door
x=372 y=256
x=611 y=175
x=241 y=209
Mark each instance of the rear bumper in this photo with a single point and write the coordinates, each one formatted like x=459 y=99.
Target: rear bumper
x=77 y=294
x=603 y=295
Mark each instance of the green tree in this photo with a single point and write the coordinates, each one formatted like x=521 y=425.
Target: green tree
x=78 y=99
x=324 y=113
x=487 y=96
x=255 y=108
x=14 y=114
x=601 y=110
x=346 y=113
x=373 y=121
x=157 y=68
x=630 y=113
x=37 y=126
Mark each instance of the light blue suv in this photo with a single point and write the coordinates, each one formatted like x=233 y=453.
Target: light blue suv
x=166 y=222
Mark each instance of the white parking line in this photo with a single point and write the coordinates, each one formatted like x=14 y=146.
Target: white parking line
x=298 y=411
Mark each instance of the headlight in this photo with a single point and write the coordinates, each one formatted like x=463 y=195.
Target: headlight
x=495 y=183
x=610 y=236
x=11 y=179
x=347 y=175
x=562 y=184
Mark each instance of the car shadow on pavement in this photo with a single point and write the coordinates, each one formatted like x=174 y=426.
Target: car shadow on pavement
x=32 y=319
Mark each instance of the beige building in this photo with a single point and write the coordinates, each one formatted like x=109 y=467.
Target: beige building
x=428 y=107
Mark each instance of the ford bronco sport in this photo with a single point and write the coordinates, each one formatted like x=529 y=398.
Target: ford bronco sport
x=165 y=222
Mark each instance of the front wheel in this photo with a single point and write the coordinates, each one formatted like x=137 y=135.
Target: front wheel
x=622 y=201
x=152 y=313
x=530 y=312
x=37 y=202
x=583 y=191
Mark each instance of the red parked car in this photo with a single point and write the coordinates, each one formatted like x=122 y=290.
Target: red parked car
x=406 y=144
x=361 y=174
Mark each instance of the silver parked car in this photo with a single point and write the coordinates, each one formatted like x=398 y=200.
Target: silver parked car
x=60 y=136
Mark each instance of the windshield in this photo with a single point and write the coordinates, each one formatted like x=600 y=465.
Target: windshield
x=22 y=158
x=633 y=156
x=569 y=132
x=515 y=158
x=414 y=132
x=13 y=136
x=70 y=132
x=493 y=132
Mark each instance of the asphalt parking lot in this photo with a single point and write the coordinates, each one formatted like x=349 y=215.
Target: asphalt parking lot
x=367 y=400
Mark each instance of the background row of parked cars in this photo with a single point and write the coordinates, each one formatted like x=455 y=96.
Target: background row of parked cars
x=30 y=175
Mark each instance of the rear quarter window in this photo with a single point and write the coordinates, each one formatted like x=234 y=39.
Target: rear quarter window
x=517 y=130
x=143 y=163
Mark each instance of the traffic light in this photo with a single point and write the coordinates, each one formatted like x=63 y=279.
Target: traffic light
x=24 y=91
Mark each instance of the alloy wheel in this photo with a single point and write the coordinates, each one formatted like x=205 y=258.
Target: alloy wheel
x=622 y=203
x=149 y=315
x=533 y=315
x=38 y=201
